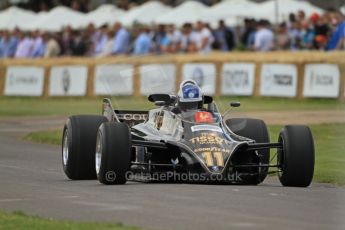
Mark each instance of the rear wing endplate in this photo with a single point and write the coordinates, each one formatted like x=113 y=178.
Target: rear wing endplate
x=130 y=117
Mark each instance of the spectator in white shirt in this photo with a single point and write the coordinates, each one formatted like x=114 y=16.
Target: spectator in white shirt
x=25 y=46
x=107 y=49
x=203 y=38
x=53 y=48
x=264 y=37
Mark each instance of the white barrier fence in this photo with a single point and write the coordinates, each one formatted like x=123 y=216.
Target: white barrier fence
x=235 y=78
x=68 y=80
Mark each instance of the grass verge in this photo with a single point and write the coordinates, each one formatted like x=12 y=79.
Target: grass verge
x=20 y=106
x=19 y=220
x=45 y=137
x=329 y=143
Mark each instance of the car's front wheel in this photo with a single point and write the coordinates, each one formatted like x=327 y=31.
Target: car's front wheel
x=296 y=158
x=113 y=153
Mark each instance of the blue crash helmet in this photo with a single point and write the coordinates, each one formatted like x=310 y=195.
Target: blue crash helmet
x=189 y=96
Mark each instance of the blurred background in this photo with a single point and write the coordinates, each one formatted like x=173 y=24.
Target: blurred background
x=48 y=28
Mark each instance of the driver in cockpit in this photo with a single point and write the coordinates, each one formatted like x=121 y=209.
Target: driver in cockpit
x=189 y=96
x=190 y=102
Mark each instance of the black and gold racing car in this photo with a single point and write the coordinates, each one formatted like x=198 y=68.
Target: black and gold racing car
x=195 y=146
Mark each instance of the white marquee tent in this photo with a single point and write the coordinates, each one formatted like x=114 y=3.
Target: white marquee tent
x=15 y=17
x=146 y=13
x=229 y=10
x=29 y=26
x=267 y=10
x=232 y=11
x=56 y=19
x=189 y=11
x=104 y=14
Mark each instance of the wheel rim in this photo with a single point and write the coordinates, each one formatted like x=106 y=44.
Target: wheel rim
x=98 y=153
x=65 y=149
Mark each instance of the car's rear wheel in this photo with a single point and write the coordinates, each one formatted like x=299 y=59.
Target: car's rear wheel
x=78 y=146
x=296 y=158
x=113 y=153
x=254 y=129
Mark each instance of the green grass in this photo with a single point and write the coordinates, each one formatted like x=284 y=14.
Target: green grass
x=19 y=106
x=19 y=220
x=45 y=137
x=329 y=143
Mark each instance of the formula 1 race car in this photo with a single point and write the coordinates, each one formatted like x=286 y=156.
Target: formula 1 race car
x=170 y=144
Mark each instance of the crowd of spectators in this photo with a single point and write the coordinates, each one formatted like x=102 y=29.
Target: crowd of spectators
x=316 y=32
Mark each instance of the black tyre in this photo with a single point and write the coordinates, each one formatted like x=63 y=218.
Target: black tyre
x=78 y=146
x=296 y=159
x=254 y=129
x=113 y=153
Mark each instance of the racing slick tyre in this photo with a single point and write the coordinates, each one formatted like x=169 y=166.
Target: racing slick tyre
x=78 y=146
x=113 y=153
x=296 y=158
x=254 y=129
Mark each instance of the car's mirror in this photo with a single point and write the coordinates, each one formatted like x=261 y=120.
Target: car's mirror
x=160 y=97
x=235 y=104
x=208 y=99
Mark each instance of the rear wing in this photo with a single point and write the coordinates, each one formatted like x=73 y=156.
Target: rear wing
x=130 y=117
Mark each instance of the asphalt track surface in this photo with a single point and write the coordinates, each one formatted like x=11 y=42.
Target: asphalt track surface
x=32 y=180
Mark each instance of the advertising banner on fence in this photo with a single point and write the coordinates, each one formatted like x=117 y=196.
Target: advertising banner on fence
x=115 y=79
x=68 y=80
x=157 y=78
x=278 y=80
x=321 y=80
x=203 y=73
x=238 y=79
x=24 y=81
